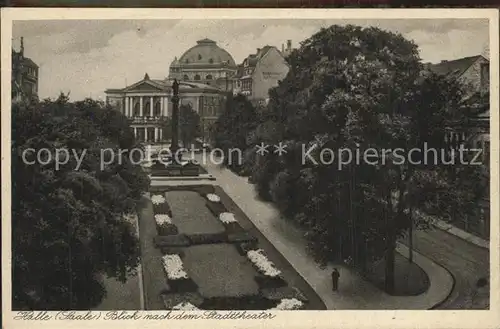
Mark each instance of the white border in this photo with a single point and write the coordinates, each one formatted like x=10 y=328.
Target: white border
x=290 y=319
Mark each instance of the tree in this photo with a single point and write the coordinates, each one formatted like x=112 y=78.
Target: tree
x=68 y=225
x=189 y=124
x=357 y=89
x=234 y=126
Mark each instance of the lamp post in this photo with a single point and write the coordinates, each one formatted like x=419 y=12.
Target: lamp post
x=174 y=147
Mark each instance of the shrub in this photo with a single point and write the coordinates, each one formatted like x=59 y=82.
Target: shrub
x=266 y=282
x=179 y=240
x=162 y=208
x=238 y=303
x=209 y=238
x=216 y=208
x=246 y=246
x=182 y=285
x=239 y=237
x=167 y=229
x=283 y=293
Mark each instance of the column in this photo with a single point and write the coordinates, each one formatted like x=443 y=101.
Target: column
x=125 y=100
x=160 y=131
x=162 y=105
x=140 y=106
x=156 y=134
x=135 y=132
x=151 y=113
x=167 y=106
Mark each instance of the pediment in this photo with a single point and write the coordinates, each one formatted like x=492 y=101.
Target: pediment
x=144 y=86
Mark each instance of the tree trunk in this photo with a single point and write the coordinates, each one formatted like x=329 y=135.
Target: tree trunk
x=390 y=246
x=390 y=262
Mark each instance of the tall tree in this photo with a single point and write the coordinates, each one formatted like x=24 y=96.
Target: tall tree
x=234 y=126
x=360 y=90
x=68 y=226
x=189 y=125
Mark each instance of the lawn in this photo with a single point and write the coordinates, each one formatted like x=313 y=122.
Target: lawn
x=190 y=215
x=218 y=273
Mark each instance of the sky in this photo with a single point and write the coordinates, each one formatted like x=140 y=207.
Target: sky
x=86 y=57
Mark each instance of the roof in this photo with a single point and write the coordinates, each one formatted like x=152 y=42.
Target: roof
x=455 y=67
x=206 y=52
x=253 y=59
x=164 y=85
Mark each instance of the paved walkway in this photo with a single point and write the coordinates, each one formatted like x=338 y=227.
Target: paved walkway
x=354 y=292
x=442 y=225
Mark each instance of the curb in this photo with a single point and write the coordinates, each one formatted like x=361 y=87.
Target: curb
x=468 y=237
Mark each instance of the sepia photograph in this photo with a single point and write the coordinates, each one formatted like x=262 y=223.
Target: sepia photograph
x=192 y=165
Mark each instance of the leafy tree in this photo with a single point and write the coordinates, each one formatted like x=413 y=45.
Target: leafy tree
x=357 y=89
x=189 y=124
x=68 y=224
x=234 y=126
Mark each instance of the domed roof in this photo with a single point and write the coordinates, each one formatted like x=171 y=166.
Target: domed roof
x=208 y=53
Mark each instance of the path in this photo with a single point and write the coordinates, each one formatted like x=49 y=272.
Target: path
x=464 y=260
x=354 y=292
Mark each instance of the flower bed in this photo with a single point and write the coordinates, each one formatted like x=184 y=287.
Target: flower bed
x=287 y=304
x=269 y=276
x=172 y=264
x=164 y=225
x=185 y=306
x=175 y=300
x=157 y=199
x=213 y=197
x=177 y=277
x=263 y=265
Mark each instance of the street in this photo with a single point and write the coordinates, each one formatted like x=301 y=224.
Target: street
x=466 y=262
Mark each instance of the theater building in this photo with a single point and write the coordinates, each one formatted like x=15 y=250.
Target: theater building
x=148 y=102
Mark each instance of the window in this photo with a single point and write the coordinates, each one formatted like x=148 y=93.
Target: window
x=187 y=61
x=146 y=108
x=197 y=77
x=199 y=57
x=137 y=110
x=185 y=77
x=157 y=111
x=211 y=61
x=209 y=77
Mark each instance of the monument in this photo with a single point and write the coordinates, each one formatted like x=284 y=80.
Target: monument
x=173 y=165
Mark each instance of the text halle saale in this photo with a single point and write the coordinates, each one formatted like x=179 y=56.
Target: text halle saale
x=73 y=315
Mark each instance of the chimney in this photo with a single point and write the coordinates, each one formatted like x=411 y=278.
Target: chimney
x=282 y=48
x=289 y=45
x=258 y=51
x=22 y=46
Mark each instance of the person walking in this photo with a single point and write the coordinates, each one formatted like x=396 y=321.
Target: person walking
x=335 y=279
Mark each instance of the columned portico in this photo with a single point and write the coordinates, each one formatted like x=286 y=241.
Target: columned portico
x=147 y=120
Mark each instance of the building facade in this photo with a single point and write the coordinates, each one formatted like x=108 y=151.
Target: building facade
x=260 y=72
x=474 y=73
x=205 y=63
x=148 y=102
x=24 y=76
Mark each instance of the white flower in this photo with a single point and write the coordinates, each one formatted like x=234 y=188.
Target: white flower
x=213 y=197
x=227 y=217
x=163 y=219
x=157 y=199
x=288 y=304
x=185 y=306
x=174 y=267
x=260 y=260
